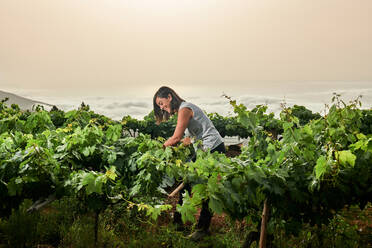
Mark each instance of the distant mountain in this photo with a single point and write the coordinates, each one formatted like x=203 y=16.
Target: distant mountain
x=22 y=102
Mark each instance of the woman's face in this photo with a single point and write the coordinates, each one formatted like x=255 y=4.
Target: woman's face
x=164 y=103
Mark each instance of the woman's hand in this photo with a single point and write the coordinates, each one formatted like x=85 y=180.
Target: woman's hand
x=186 y=141
x=168 y=143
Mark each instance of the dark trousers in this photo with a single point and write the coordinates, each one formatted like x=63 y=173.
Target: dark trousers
x=205 y=215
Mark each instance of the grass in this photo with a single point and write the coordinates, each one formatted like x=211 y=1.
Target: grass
x=60 y=225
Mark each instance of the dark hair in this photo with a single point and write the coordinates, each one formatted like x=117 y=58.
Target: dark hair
x=164 y=92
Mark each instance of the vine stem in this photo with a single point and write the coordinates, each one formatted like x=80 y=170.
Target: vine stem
x=265 y=216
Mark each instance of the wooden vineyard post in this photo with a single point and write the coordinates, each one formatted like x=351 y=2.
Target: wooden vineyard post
x=180 y=187
x=263 y=233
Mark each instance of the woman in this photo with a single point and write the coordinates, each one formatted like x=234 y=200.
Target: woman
x=192 y=121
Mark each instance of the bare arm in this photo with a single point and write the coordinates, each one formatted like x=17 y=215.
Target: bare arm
x=184 y=116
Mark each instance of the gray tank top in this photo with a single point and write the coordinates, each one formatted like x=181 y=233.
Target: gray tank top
x=201 y=127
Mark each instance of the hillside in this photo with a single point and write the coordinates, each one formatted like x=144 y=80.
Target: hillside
x=22 y=102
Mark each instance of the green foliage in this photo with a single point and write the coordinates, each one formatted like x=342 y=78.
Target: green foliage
x=306 y=176
x=148 y=126
x=86 y=156
x=304 y=115
x=228 y=126
x=366 y=126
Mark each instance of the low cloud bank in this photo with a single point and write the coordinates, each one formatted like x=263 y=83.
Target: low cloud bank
x=125 y=105
x=117 y=107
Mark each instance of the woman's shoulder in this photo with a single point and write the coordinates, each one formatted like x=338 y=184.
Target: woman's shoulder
x=188 y=105
x=191 y=106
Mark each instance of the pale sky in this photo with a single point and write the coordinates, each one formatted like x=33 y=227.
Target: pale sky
x=135 y=46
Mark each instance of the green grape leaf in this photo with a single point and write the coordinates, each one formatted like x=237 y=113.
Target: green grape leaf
x=287 y=125
x=93 y=183
x=88 y=150
x=216 y=205
x=188 y=208
x=113 y=132
x=187 y=212
x=111 y=173
x=13 y=188
x=199 y=189
x=135 y=190
x=321 y=166
x=155 y=211
x=346 y=158
x=111 y=157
